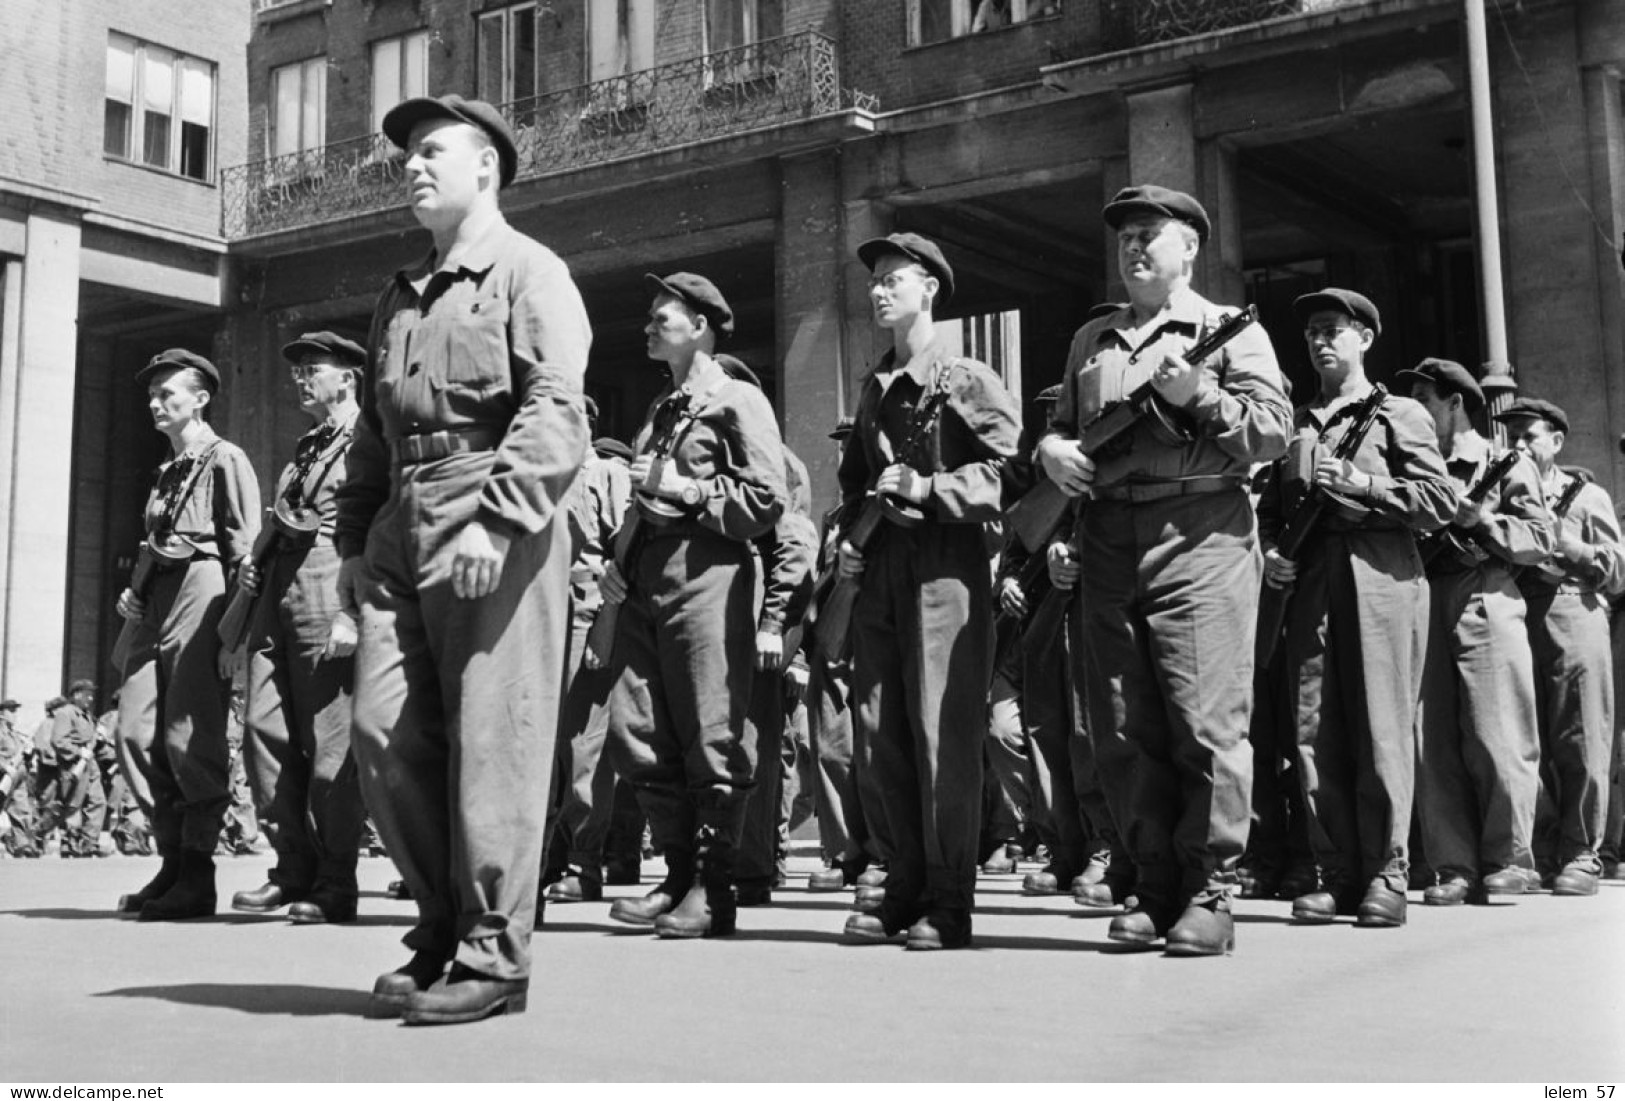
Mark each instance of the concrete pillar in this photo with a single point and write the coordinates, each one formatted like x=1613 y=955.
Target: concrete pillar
x=810 y=282
x=36 y=430
x=1163 y=149
x=1601 y=421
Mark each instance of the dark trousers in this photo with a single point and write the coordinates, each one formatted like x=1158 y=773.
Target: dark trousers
x=1355 y=641
x=1170 y=603
x=757 y=862
x=842 y=831
x=922 y=650
x=172 y=710
x=684 y=668
x=583 y=781
x=456 y=710
x=296 y=727
x=1574 y=691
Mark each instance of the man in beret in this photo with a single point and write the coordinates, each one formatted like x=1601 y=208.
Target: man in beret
x=1356 y=625
x=1567 y=601
x=1477 y=780
x=921 y=649
x=583 y=780
x=82 y=806
x=1170 y=539
x=301 y=664
x=455 y=544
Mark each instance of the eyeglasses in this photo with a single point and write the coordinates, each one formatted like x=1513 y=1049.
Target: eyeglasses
x=303 y=371
x=1317 y=334
x=891 y=281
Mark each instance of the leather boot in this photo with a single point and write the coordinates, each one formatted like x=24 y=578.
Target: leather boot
x=391 y=991
x=192 y=896
x=1204 y=929
x=265 y=899
x=710 y=908
x=644 y=911
x=327 y=904
x=168 y=872
x=465 y=995
x=1383 y=906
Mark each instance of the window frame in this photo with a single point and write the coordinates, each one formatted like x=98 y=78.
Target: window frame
x=402 y=42
x=962 y=15
x=589 y=58
x=134 y=137
x=317 y=63
x=504 y=17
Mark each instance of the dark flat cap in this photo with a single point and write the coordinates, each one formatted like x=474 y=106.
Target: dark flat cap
x=1163 y=201
x=81 y=683
x=608 y=447
x=1352 y=303
x=1448 y=377
x=843 y=428
x=347 y=352
x=737 y=369
x=405 y=115
x=9 y=704
x=174 y=359
x=1049 y=394
x=922 y=250
x=701 y=296
x=1535 y=407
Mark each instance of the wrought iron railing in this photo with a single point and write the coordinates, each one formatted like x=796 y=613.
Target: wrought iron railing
x=729 y=92
x=1130 y=23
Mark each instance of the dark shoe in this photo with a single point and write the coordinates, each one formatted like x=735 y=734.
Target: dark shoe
x=1204 y=929
x=1382 y=907
x=1046 y=882
x=1104 y=895
x=1319 y=908
x=645 y=910
x=576 y=887
x=1259 y=879
x=623 y=873
x=868 y=900
x=1451 y=890
x=398 y=889
x=168 y=873
x=323 y=907
x=463 y=996
x=265 y=899
x=1575 y=880
x=1002 y=861
x=1612 y=870
x=832 y=878
x=939 y=930
x=1135 y=927
x=192 y=896
x=1298 y=880
x=753 y=894
x=867 y=929
x=390 y=992
x=871 y=877
x=1504 y=887
x=707 y=910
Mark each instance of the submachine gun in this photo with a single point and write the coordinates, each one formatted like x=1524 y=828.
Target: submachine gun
x=1301 y=525
x=1040 y=517
x=1579 y=477
x=293 y=526
x=835 y=613
x=1451 y=541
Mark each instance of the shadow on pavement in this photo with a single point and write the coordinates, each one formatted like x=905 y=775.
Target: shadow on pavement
x=62 y=913
x=261 y=998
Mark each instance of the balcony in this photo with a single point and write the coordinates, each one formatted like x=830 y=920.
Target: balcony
x=764 y=84
x=1132 y=23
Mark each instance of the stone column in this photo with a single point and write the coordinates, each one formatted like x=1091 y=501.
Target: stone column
x=36 y=432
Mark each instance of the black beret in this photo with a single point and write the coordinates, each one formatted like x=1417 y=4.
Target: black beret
x=843 y=428
x=737 y=369
x=1448 y=377
x=1535 y=407
x=9 y=704
x=1049 y=394
x=81 y=683
x=1352 y=303
x=402 y=117
x=347 y=352
x=700 y=295
x=1151 y=199
x=921 y=250
x=175 y=359
x=608 y=447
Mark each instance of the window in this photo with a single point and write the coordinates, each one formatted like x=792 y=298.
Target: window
x=620 y=36
x=159 y=109
x=299 y=107
x=508 y=55
x=733 y=23
x=937 y=20
x=400 y=71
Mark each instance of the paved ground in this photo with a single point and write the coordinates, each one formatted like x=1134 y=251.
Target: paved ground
x=1532 y=992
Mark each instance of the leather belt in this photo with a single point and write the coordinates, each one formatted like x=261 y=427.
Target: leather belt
x=424 y=447
x=1139 y=493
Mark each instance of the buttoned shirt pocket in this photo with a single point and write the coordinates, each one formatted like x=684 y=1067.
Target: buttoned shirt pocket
x=476 y=335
